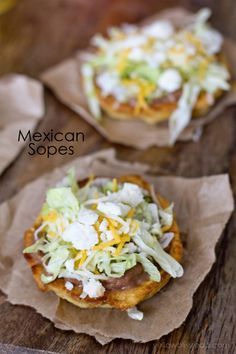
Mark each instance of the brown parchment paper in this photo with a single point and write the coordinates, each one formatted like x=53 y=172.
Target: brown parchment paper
x=203 y=207
x=21 y=107
x=65 y=80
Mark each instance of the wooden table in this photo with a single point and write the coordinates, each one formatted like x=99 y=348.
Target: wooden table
x=40 y=33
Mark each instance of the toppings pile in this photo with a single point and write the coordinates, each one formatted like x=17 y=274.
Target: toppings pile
x=140 y=65
x=99 y=231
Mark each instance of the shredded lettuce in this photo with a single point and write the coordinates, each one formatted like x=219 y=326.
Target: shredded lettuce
x=53 y=266
x=112 y=266
x=149 y=267
x=35 y=247
x=108 y=187
x=201 y=17
x=216 y=79
x=141 y=70
x=149 y=245
x=54 y=257
x=62 y=200
x=89 y=88
x=182 y=115
x=44 y=245
x=98 y=61
x=166 y=239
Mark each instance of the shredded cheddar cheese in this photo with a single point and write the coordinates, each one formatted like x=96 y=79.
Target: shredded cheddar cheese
x=165 y=228
x=51 y=216
x=115 y=234
x=131 y=213
x=115 y=185
x=83 y=258
x=124 y=239
x=80 y=258
x=104 y=245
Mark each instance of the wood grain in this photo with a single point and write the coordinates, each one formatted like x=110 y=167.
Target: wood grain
x=40 y=33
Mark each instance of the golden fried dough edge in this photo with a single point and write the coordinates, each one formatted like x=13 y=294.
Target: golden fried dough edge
x=161 y=112
x=120 y=299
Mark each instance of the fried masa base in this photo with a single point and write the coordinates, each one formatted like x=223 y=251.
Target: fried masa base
x=153 y=114
x=120 y=299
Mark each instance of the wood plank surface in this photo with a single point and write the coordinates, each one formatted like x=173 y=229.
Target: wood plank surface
x=39 y=33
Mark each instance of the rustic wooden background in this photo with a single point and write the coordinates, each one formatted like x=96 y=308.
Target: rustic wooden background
x=39 y=33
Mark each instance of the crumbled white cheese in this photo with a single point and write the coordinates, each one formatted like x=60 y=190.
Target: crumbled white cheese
x=160 y=29
x=107 y=82
x=156 y=59
x=170 y=80
x=83 y=237
x=131 y=41
x=130 y=194
x=87 y=217
x=135 y=314
x=113 y=209
x=136 y=54
x=68 y=285
x=93 y=288
x=123 y=93
x=109 y=208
